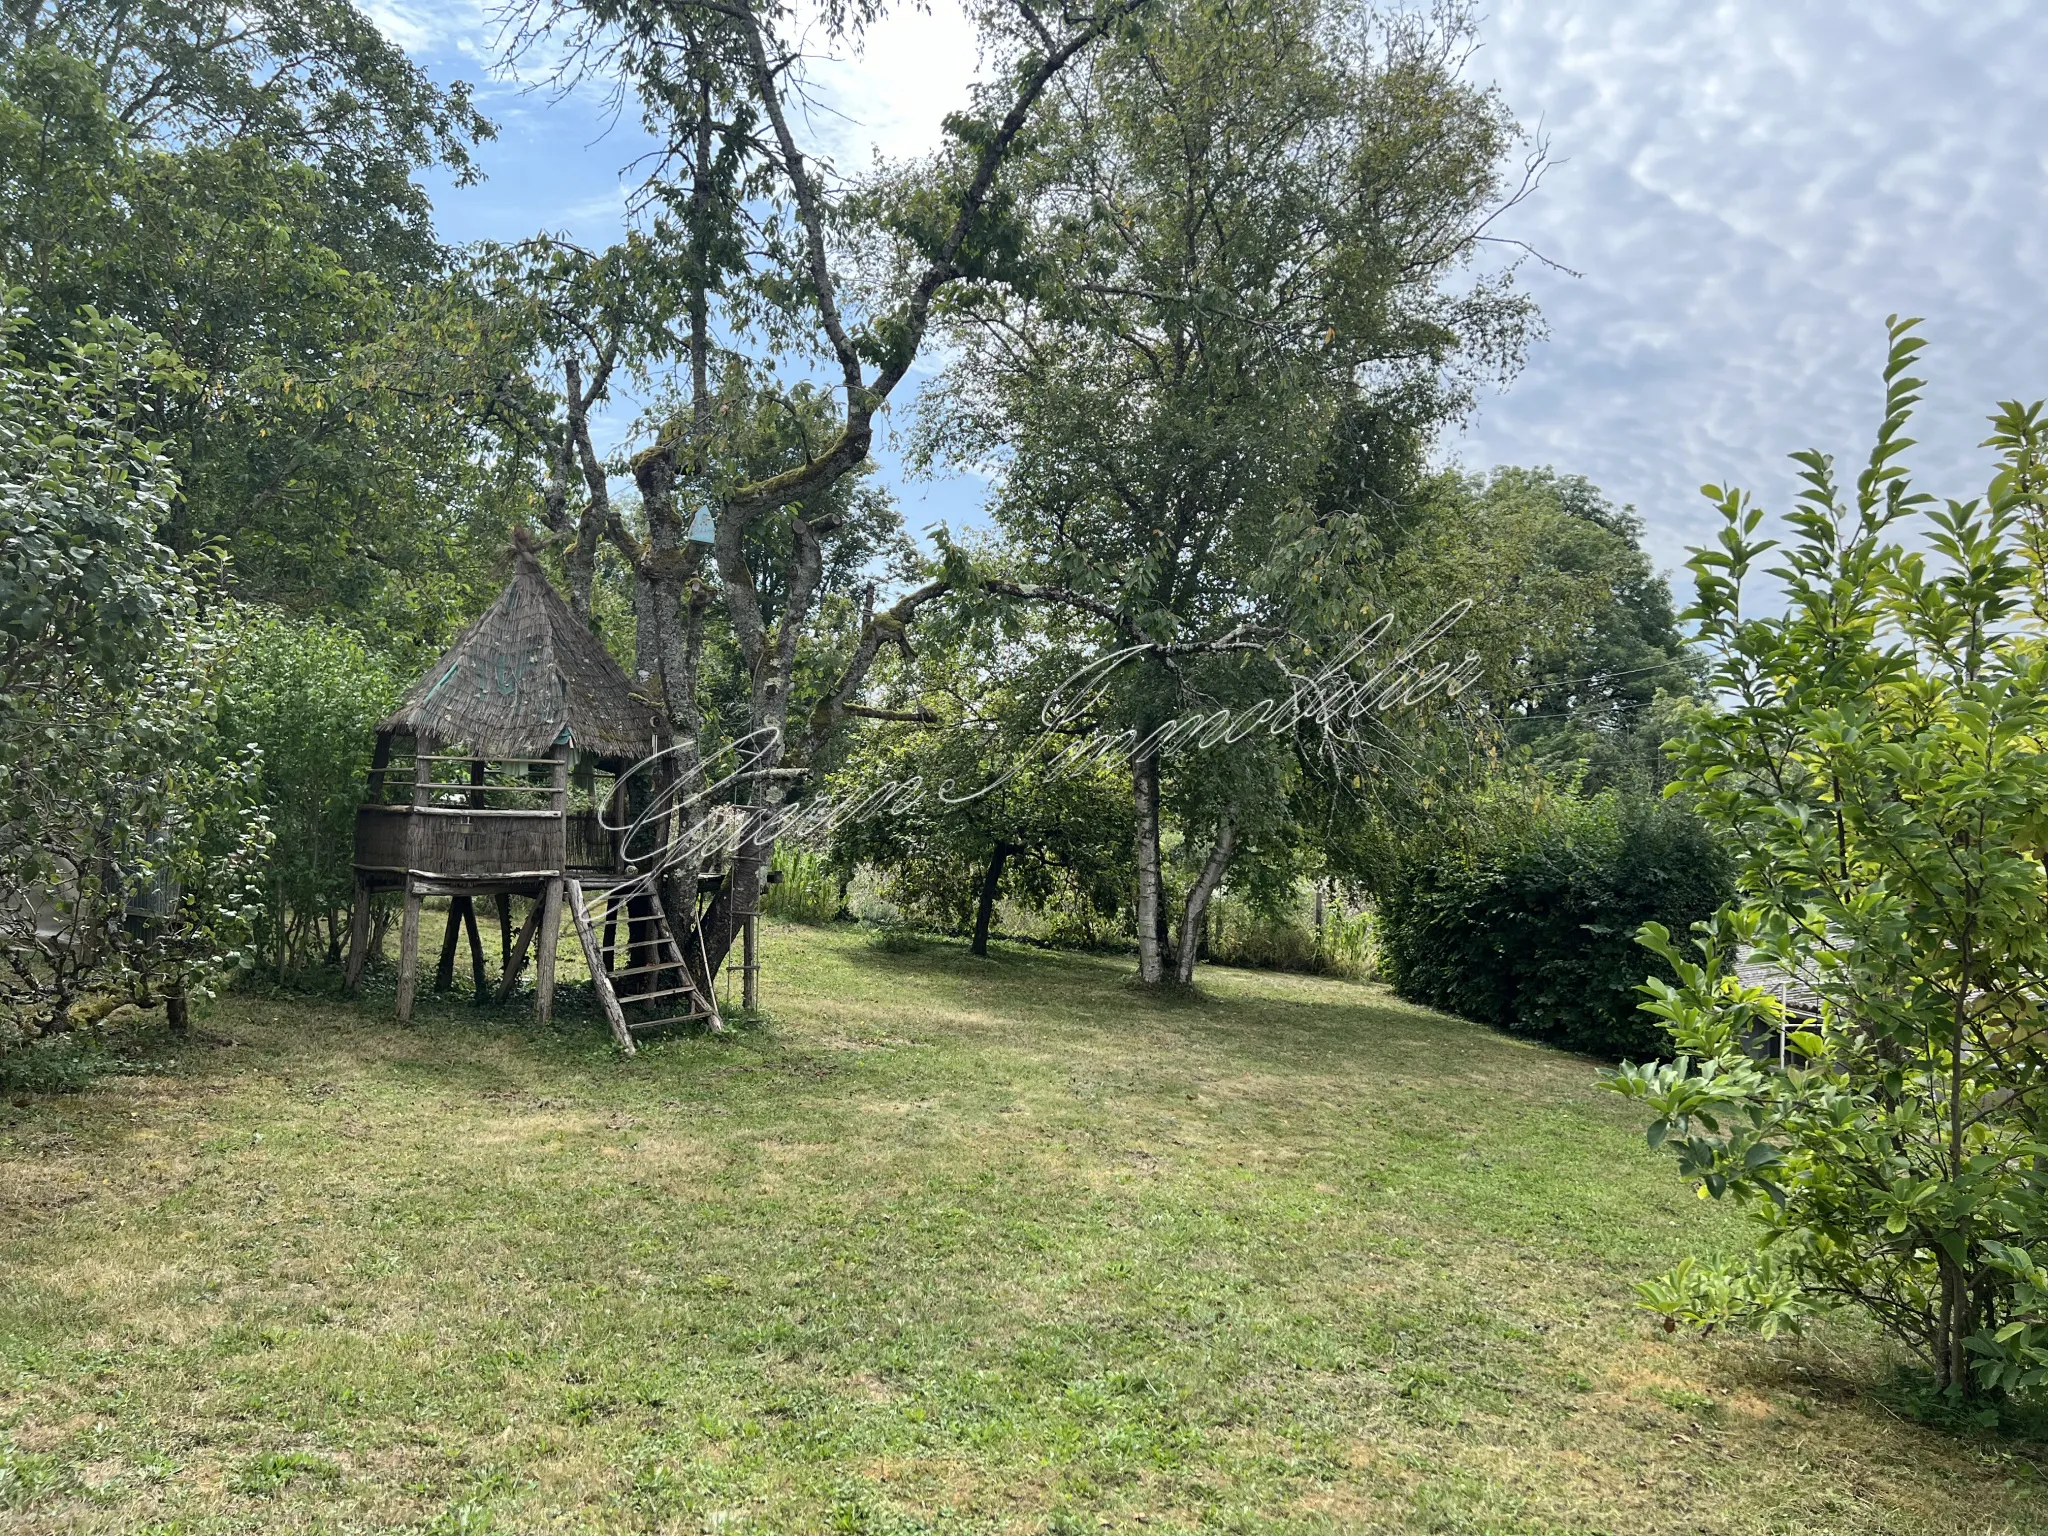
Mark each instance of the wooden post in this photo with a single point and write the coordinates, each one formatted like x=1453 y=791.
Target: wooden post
x=358 y=938
x=476 y=950
x=544 y=955
x=750 y=992
x=409 y=925
x=408 y=951
x=599 y=981
x=551 y=898
x=504 y=933
x=380 y=760
x=444 y=973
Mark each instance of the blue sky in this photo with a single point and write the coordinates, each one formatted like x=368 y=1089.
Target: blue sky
x=1742 y=192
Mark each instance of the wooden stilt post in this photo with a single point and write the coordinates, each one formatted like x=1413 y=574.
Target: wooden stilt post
x=504 y=933
x=476 y=950
x=551 y=897
x=408 y=952
x=409 y=924
x=358 y=938
x=544 y=957
x=750 y=968
x=444 y=973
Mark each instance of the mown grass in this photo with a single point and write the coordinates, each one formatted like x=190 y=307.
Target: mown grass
x=939 y=1245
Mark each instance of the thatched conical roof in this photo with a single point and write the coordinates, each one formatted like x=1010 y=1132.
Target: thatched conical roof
x=524 y=676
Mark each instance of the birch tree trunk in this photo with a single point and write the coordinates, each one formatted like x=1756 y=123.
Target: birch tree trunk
x=1198 y=898
x=1145 y=829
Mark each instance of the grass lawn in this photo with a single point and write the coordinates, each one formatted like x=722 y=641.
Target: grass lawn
x=940 y=1245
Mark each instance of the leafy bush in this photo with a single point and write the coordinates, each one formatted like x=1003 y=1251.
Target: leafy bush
x=1527 y=920
x=134 y=842
x=128 y=840
x=306 y=696
x=1880 y=769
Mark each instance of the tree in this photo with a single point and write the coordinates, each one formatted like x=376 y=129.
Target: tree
x=997 y=813
x=1232 y=331
x=1877 y=765
x=84 y=581
x=1575 y=631
x=763 y=235
x=128 y=840
x=240 y=182
x=588 y=317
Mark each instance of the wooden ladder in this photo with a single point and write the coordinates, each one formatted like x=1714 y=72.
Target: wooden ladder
x=649 y=949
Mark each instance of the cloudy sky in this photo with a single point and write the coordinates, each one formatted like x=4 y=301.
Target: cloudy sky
x=1740 y=193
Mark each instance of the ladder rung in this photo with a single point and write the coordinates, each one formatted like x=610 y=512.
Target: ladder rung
x=681 y=1018
x=593 y=912
x=644 y=970
x=648 y=997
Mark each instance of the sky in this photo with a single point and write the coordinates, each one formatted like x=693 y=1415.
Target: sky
x=1737 y=195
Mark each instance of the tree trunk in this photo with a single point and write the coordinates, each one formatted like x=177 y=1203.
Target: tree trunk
x=1198 y=899
x=1952 y=1370
x=987 y=907
x=1145 y=829
x=669 y=604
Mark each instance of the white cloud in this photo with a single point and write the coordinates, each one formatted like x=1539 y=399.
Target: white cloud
x=432 y=26
x=1749 y=189
x=889 y=90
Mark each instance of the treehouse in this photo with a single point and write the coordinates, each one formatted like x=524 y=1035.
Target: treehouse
x=508 y=772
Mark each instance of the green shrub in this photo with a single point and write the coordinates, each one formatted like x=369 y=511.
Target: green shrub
x=128 y=840
x=1528 y=920
x=1878 y=767
x=307 y=695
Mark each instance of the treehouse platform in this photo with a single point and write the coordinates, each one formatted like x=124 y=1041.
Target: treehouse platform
x=508 y=773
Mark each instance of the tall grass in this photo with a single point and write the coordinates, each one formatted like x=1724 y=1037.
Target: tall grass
x=808 y=892
x=1292 y=940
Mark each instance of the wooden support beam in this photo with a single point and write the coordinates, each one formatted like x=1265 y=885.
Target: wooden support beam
x=408 y=954
x=476 y=950
x=358 y=938
x=551 y=896
x=444 y=973
x=409 y=924
x=750 y=968
x=516 y=962
x=599 y=981
x=544 y=958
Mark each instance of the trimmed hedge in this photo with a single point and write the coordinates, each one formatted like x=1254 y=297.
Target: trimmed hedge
x=1529 y=925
